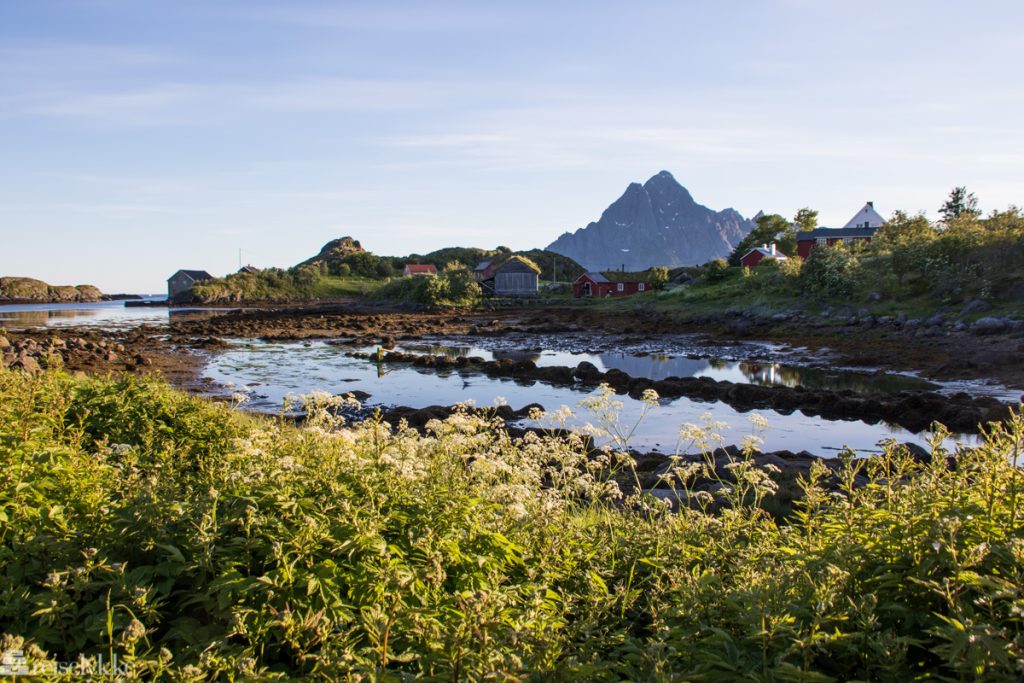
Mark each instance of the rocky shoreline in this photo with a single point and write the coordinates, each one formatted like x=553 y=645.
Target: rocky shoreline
x=178 y=352
x=914 y=411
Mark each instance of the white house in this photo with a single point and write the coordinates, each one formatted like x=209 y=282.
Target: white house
x=867 y=217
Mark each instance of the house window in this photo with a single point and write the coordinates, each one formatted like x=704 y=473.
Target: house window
x=640 y=287
x=621 y=287
x=821 y=241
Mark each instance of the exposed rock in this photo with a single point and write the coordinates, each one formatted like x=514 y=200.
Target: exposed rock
x=989 y=325
x=30 y=289
x=975 y=306
x=25 y=363
x=654 y=224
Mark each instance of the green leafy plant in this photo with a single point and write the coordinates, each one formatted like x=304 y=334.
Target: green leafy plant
x=196 y=542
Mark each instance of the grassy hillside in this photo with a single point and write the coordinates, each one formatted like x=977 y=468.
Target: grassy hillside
x=198 y=543
x=303 y=282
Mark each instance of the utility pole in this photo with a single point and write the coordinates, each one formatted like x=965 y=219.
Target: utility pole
x=239 y=258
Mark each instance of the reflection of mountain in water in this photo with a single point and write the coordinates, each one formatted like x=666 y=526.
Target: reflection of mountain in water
x=654 y=366
x=769 y=374
x=813 y=378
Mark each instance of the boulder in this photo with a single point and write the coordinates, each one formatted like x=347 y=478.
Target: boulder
x=975 y=306
x=989 y=325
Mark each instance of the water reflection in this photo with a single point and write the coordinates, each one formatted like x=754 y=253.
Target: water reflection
x=102 y=314
x=273 y=370
x=661 y=366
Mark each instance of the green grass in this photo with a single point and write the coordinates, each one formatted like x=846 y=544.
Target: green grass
x=334 y=286
x=766 y=290
x=198 y=543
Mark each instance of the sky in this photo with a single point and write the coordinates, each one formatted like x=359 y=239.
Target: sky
x=139 y=137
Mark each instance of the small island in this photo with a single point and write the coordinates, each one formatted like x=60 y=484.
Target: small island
x=27 y=290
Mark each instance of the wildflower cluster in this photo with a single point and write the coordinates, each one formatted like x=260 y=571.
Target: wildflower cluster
x=197 y=542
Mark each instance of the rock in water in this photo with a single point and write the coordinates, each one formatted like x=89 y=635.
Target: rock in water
x=654 y=224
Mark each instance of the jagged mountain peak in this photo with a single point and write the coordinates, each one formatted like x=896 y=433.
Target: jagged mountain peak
x=657 y=223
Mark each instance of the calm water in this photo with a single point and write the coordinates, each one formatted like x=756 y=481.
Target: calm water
x=270 y=371
x=660 y=366
x=103 y=314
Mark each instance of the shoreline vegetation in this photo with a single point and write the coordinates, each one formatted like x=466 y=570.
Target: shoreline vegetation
x=195 y=541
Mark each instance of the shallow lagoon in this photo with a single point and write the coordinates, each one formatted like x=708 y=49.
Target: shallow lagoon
x=271 y=371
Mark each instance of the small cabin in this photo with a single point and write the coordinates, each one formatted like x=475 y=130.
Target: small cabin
x=182 y=282
x=251 y=270
x=754 y=257
x=612 y=283
x=419 y=270
x=483 y=271
x=517 y=277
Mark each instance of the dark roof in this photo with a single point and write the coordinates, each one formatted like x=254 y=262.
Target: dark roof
x=248 y=269
x=616 y=276
x=517 y=264
x=483 y=265
x=835 y=232
x=195 y=274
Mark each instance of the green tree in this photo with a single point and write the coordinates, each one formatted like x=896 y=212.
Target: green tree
x=960 y=203
x=902 y=228
x=806 y=219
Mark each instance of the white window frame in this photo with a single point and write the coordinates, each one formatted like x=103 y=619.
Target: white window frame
x=640 y=287
x=620 y=286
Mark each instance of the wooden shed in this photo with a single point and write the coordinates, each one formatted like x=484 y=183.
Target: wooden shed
x=483 y=271
x=182 y=282
x=517 y=277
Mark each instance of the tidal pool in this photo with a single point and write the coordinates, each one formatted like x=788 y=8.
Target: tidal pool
x=268 y=372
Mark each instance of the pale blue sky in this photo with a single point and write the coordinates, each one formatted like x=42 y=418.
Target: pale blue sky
x=141 y=137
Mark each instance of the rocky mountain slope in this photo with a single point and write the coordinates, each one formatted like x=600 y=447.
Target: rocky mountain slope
x=654 y=224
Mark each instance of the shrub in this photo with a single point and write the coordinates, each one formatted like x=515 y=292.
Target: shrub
x=195 y=542
x=830 y=271
x=717 y=270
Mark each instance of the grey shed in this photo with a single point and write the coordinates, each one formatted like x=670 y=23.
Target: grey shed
x=517 y=277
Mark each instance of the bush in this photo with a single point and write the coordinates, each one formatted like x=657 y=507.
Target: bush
x=717 y=270
x=830 y=271
x=195 y=542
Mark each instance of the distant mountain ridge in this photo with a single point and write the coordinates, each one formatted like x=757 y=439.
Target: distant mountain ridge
x=654 y=224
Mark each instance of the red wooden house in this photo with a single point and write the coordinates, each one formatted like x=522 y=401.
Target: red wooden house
x=610 y=284
x=805 y=241
x=754 y=257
